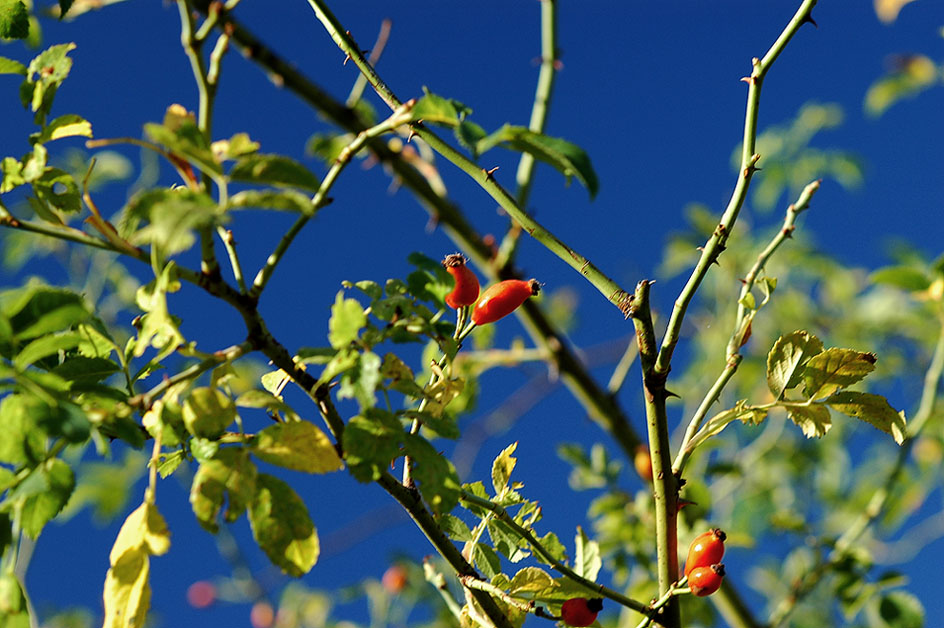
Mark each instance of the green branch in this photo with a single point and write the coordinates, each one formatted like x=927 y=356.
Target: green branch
x=546 y=556
x=742 y=322
x=665 y=485
x=716 y=243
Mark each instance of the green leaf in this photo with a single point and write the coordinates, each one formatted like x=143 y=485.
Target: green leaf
x=835 y=369
x=230 y=475
x=143 y=529
x=38 y=310
x=277 y=170
x=502 y=467
x=69 y=125
x=58 y=189
x=12 y=171
x=45 y=346
x=282 y=526
x=14 y=611
x=900 y=609
x=82 y=370
x=486 y=560
x=23 y=440
x=181 y=135
x=14 y=19
x=157 y=328
x=172 y=216
x=127 y=593
x=282 y=200
x=903 y=277
x=434 y=109
x=787 y=358
x=361 y=382
x=587 y=560
x=45 y=73
x=554 y=547
x=814 y=420
x=43 y=501
x=11 y=66
x=469 y=134
x=531 y=581
x=873 y=409
x=297 y=445
x=63 y=419
x=347 y=319
x=455 y=528
x=370 y=443
x=237 y=146
x=437 y=478
x=207 y=412
x=566 y=157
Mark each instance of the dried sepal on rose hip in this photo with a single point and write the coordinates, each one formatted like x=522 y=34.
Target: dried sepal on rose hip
x=503 y=298
x=706 y=550
x=580 y=612
x=466 y=290
x=706 y=580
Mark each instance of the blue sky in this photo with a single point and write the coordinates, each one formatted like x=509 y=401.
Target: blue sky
x=650 y=90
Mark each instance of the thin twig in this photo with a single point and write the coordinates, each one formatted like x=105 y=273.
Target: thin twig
x=400 y=117
x=716 y=243
x=742 y=322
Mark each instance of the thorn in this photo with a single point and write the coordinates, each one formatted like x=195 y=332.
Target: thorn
x=809 y=18
x=489 y=173
x=748 y=79
x=669 y=393
x=743 y=281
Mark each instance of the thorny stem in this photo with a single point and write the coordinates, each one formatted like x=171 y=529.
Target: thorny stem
x=607 y=287
x=524 y=177
x=547 y=557
x=399 y=117
x=665 y=485
x=803 y=586
x=742 y=322
x=716 y=243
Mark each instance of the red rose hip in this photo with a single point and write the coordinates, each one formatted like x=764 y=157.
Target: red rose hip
x=502 y=299
x=579 y=611
x=466 y=290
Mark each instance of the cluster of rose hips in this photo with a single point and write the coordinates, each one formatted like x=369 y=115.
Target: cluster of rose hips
x=703 y=570
x=496 y=302
x=703 y=567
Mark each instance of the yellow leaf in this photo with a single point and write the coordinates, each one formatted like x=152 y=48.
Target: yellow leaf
x=144 y=529
x=127 y=593
x=297 y=445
